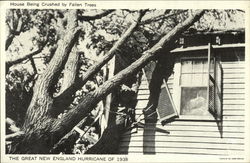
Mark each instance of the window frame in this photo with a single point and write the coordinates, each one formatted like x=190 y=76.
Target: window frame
x=192 y=117
x=177 y=86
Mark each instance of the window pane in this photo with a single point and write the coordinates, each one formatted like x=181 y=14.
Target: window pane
x=194 y=72
x=198 y=66
x=194 y=101
x=186 y=79
x=204 y=79
x=205 y=66
x=197 y=79
x=186 y=66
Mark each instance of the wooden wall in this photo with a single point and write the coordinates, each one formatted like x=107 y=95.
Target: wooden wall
x=195 y=137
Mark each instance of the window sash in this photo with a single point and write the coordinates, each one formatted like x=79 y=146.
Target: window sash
x=211 y=78
x=194 y=101
x=193 y=69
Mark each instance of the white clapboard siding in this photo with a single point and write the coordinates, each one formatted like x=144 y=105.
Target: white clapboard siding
x=228 y=96
x=233 y=86
x=233 y=107
x=234 y=81
x=233 y=65
x=237 y=90
x=234 y=76
x=233 y=70
x=234 y=102
x=181 y=150
x=194 y=137
x=188 y=133
x=170 y=144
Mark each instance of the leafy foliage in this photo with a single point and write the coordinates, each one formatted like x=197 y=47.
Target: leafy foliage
x=18 y=94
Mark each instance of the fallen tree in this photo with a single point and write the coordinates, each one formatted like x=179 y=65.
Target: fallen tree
x=42 y=129
x=122 y=76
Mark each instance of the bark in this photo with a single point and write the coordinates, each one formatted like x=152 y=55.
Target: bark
x=70 y=75
x=65 y=143
x=38 y=116
x=109 y=141
x=42 y=99
x=95 y=68
x=94 y=17
x=64 y=125
x=162 y=70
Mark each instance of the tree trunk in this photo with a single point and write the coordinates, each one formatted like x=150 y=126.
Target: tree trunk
x=67 y=142
x=162 y=70
x=41 y=130
x=37 y=138
x=109 y=141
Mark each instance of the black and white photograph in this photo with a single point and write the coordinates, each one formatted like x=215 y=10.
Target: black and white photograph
x=80 y=80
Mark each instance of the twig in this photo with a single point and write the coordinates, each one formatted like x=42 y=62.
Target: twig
x=14 y=135
x=93 y=17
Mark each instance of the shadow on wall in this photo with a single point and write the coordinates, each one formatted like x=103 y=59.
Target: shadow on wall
x=155 y=73
x=149 y=133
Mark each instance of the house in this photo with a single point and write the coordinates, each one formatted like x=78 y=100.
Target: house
x=201 y=106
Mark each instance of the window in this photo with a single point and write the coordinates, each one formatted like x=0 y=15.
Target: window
x=193 y=81
x=195 y=88
x=197 y=85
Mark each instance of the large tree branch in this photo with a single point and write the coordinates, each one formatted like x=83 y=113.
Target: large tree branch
x=70 y=70
x=43 y=89
x=116 y=126
x=70 y=76
x=95 y=68
x=96 y=16
x=64 y=125
x=69 y=138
